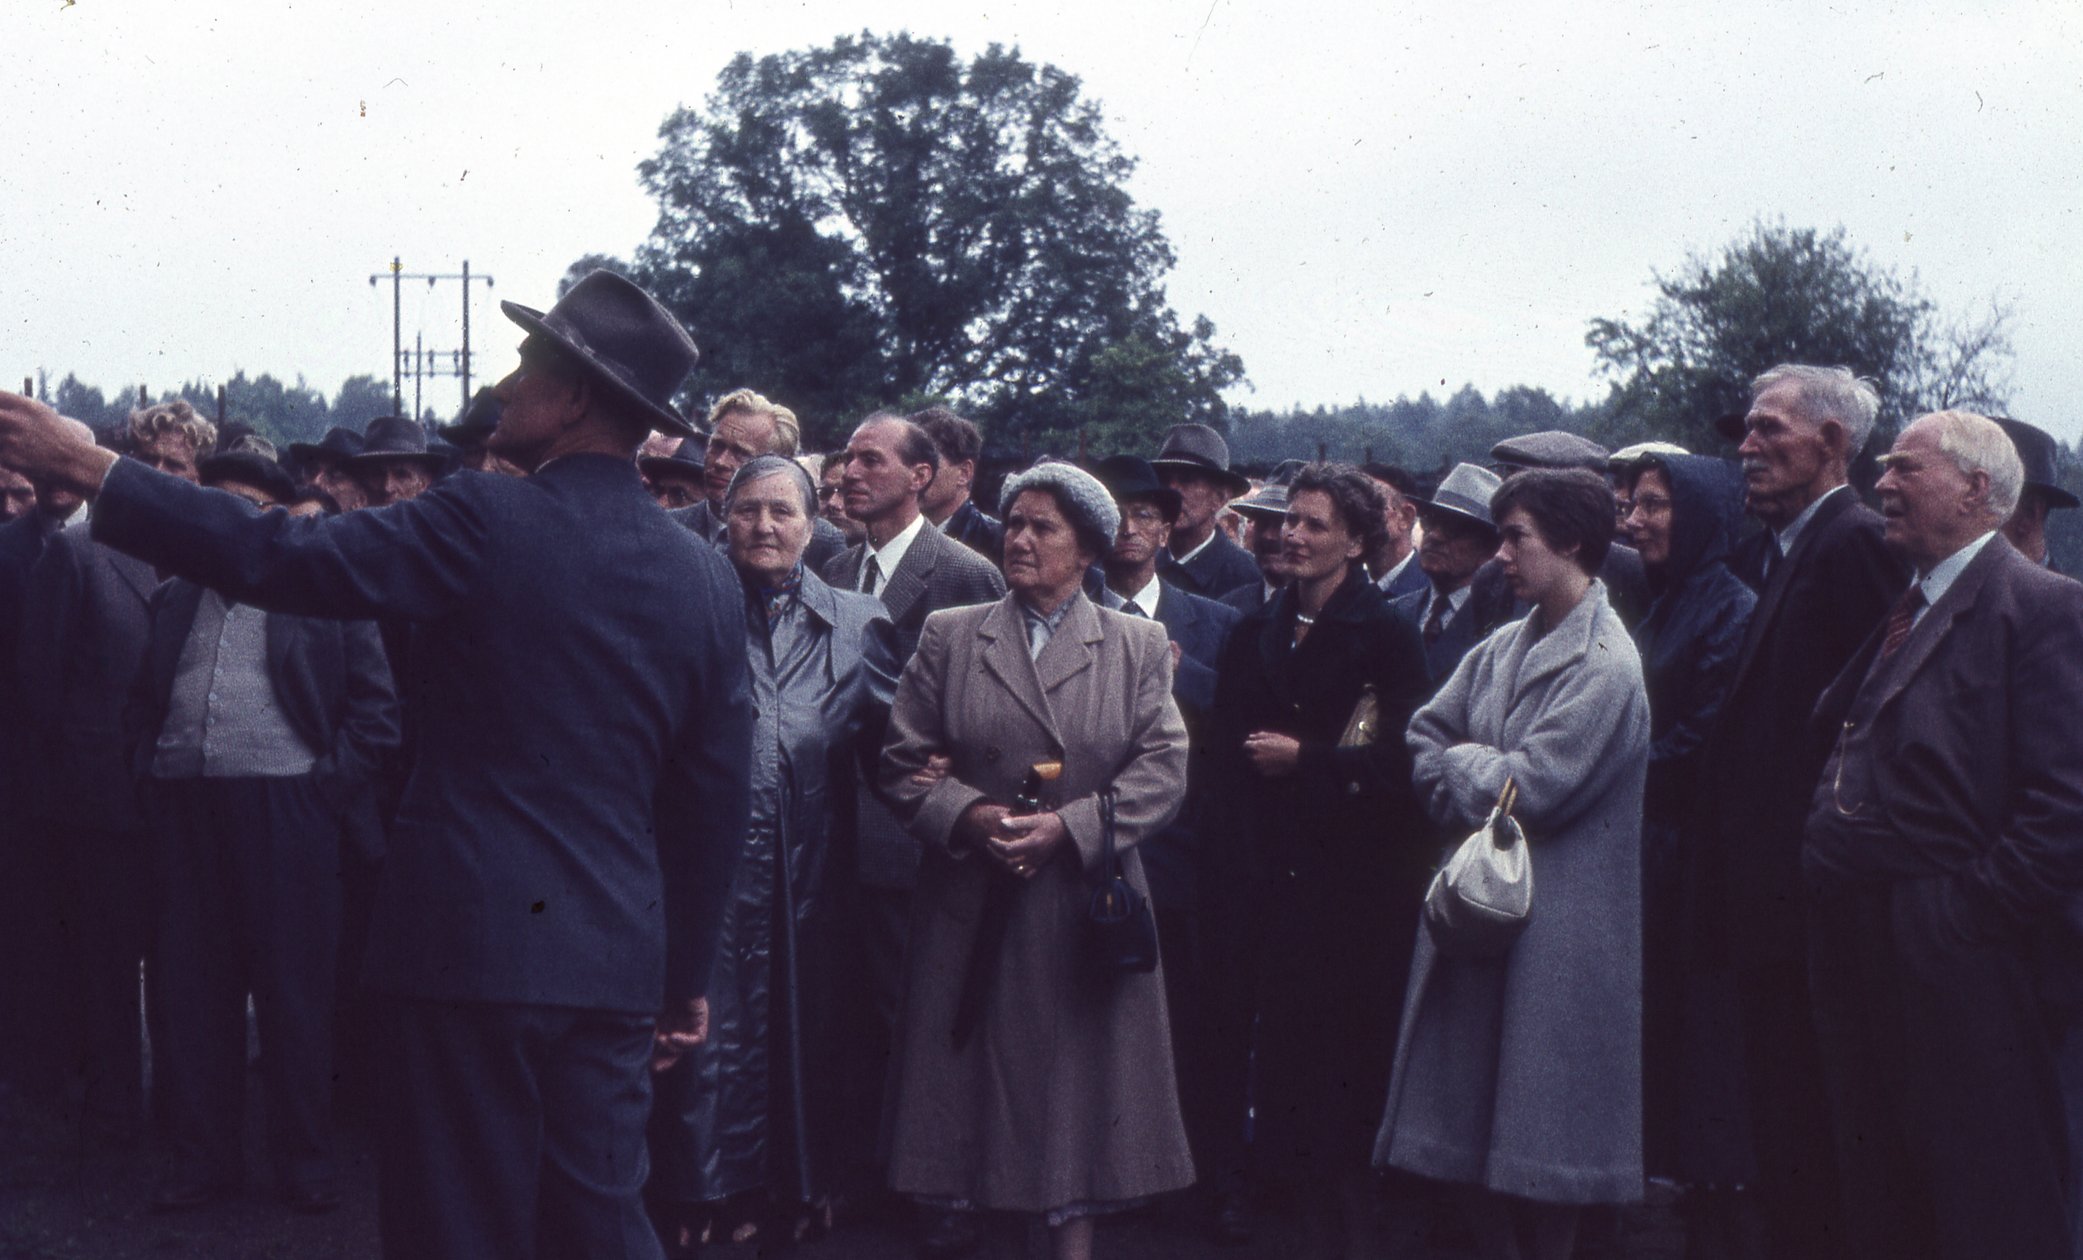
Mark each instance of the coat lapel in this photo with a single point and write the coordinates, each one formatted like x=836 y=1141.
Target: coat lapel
x=1781 y=577
x=1957 y=602
x=1005 y=657
x=1072 y=649
x=908 y=584
x=136 y=574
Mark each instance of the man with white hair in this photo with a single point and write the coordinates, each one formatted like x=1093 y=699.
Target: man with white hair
x=1944 y=838
x=1824 y=581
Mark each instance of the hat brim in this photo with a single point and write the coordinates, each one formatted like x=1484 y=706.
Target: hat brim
x=2056 y=496
x=432 y=459
x=1238 y=483
x=1429 y=509
x=662 y=417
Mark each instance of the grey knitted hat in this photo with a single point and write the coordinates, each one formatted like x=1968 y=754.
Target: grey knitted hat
x=1086 y=502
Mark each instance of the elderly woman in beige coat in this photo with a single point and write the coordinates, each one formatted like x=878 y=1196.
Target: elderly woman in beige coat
x=1057 y=1097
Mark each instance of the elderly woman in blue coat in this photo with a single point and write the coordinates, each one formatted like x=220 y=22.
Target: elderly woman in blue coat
x=1519 y=1077
x=743 y=1127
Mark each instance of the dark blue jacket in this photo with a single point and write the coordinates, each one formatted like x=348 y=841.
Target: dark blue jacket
x=1221 y=567
x=570 y=828
x=1200 y=627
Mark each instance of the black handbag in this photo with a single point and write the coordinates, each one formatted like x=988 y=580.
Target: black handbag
x=1120 y=932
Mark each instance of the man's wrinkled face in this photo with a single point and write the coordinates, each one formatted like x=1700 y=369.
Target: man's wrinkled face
x=1784 y=453
x=675 y=489
x=1201 y=496
x=1453 y=549
x=171 y=453
x=17 y=496
x=391 y=481
x=878 y=483
x=739 y=438
x=1144 y=532
x=1931 y=508
x=331 y=476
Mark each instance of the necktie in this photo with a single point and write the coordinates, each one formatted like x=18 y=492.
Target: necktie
x=1773 y=555
x=1436 y=620
x=1132 y=609
x=871 y=578
x=1901 y=617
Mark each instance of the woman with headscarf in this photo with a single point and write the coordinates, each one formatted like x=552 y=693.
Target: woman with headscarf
x=1027 y=1081
x=1682 y=513
x=1518 y=1076
x=742 y=1127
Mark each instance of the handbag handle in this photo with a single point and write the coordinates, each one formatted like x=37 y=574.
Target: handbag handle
x=1108 y=865
x=1503 y=836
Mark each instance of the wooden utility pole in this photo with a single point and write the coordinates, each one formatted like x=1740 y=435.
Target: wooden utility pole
x=398 y=276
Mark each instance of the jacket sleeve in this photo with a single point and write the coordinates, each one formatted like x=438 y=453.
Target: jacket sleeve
x=415 y=560
x=705 y=800
x=917 y=731
x=1151 y=783
x=1594 y=724
x=368 y=712
x=1395 y=657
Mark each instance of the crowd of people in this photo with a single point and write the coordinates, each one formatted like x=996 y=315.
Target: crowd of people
x=663 y=836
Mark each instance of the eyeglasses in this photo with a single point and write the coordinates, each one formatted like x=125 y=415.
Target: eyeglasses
x=1647 y=505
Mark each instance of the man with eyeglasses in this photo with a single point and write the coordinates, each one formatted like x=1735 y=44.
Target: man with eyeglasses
x=743 y=426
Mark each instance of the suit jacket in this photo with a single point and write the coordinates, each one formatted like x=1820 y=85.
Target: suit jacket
x=22 y=543
x=1221 y=567
x=1489 y=606
x=825 y=539
x=568 y=834
x=1975 y=756
x=1246 y=600
x=1759 y=768
x=937 y=572
x=979 y=532
x=1200 y=627
x=1410 y=578
x=329 y=677
x=83 y=640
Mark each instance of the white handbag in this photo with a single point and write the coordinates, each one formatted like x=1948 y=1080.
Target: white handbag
x=1480 y=900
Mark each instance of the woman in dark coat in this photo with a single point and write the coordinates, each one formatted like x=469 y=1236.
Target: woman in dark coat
x=749 y=1117
x=1321 y=860
x=1682 y=513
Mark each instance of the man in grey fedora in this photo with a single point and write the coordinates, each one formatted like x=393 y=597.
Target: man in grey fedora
x=1201 y=560
x=1451 y=613
x=551 y=900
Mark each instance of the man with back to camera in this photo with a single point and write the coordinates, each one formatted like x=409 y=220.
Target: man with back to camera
x=547 y=915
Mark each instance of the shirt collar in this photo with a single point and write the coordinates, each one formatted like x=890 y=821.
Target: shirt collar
x=1947 y=571
x=1794 y=527
x=1205 y=544
x=891 y=554
x=1146 y=599
x=1455 y=601
x=1397 y=570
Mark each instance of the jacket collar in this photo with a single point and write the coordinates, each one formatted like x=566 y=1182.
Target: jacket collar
x=1957 y=604
x=1566 y=644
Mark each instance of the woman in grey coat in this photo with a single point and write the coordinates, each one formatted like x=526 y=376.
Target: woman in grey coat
x=1026 y=1081
x=1520 y=1077
x=748 y=1119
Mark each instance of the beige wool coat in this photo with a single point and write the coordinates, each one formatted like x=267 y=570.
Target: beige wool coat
x=1065 y=1093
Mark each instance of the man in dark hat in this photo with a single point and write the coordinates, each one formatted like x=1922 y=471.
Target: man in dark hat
x=471 y=436
x=1263 y=512
x=671 y=466
x=324 y=464
x=1195 y=462
x=1451 y=614
x=1197 y=628
x=568 y=837
x=2027 y=528
x=259 y=733
x=396 y=462
x=1395 y=567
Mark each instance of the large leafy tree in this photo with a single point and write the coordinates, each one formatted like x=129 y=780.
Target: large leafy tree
x=880 y=220
x=1780 y=295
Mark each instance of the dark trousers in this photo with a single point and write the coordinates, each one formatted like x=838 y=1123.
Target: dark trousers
x=1210 y=1101
x=33 y=1033
x=1789 y=1114
x=1951 y=1132
x=105 y=911
x=511 y=1132
x=249 y=872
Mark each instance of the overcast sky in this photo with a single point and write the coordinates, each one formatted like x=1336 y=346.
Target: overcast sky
x=1367 y=199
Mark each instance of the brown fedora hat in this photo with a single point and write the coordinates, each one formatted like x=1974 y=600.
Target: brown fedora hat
x=628 y=343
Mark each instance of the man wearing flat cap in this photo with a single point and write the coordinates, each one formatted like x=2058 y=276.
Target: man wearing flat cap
x=567 y=839
x=1451 y=613
x=1194 y=461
